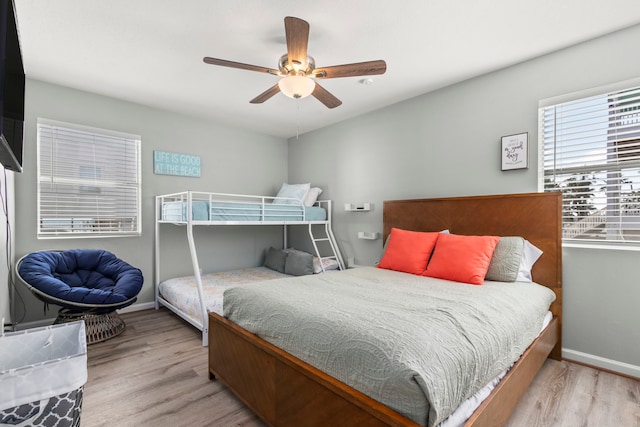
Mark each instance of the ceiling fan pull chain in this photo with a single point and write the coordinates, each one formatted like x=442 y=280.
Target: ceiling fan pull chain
x=298 y=120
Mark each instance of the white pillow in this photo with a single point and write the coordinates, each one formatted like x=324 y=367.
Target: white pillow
x=328 y=263
x=312 y=196
x=291 y=191
x=530 y=255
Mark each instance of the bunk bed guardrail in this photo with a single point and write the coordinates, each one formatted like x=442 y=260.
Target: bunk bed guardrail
x=227 y=209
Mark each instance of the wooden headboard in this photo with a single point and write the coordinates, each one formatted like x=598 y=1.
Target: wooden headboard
x=535 y=216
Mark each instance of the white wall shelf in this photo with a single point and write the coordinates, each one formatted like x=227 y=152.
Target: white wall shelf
x=367 y=235
x=357 y=207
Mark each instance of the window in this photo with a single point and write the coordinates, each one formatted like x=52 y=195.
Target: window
x=88 y=181
x=590 y=151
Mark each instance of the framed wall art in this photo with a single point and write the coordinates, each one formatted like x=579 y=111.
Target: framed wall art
x=515 y=151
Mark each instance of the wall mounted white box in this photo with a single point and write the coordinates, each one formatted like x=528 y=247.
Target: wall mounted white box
x=366 y=235
x=357 y=207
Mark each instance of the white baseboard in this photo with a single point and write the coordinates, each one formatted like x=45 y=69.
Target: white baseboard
x=137 y=307
x=34 y=324
x=601 y=362
x=48 y=322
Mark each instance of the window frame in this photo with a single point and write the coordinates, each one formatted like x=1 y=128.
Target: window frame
x=605 y=167
x=97 y=225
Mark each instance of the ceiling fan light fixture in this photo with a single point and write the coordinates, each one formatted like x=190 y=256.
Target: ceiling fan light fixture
x=297 y=70
x=297 y=86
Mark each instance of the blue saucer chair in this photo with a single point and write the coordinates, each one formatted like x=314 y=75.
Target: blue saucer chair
x=88 y=284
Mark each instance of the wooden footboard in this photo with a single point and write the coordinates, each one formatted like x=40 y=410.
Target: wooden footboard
x=282 y=389
x=285 y=391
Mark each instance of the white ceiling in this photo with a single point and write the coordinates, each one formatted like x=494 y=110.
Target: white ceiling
x=150 y=51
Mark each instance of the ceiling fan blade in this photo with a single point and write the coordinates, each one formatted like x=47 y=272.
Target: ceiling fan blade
x=324 y=96
x=266 y=94
x=240 y=65
x=349 y=70
x=297 y=33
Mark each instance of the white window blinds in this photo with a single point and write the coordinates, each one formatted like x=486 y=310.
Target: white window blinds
x=88 y=181
x=591 y=153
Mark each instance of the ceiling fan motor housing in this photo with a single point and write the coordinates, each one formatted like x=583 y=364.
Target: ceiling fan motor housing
x=296 y=67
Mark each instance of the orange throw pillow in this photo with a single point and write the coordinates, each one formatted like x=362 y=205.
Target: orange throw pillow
x=462 y=258
x=408 y=251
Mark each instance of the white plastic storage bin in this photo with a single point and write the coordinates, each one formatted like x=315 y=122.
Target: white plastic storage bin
x=42 y=374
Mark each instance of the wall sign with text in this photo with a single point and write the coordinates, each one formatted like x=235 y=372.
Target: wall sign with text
x=515 y=152
x=167 y=163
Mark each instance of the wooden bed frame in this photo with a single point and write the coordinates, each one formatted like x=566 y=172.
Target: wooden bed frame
x=285 y=391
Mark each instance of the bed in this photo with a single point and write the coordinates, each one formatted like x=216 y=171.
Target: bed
x=182 y=293
x=187 y=296
x=285 y=390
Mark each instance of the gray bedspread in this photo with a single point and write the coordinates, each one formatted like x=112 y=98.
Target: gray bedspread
x=419 y=345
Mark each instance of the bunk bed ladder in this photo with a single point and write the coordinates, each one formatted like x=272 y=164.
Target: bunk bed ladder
x=328 y=237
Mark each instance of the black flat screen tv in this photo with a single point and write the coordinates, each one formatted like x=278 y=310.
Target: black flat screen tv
x=12 y=81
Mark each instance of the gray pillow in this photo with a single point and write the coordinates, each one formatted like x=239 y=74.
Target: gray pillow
x=299 y=264
x=505 y=261
x=276 y=259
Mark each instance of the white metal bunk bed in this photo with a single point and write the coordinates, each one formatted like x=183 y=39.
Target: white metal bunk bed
x=194 y=208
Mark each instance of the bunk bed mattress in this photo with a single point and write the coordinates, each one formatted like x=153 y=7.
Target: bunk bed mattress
x=232 y=211
x=417 y=344
x=182 y=292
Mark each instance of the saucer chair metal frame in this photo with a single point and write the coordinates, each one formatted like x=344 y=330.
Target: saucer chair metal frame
x=102 y=322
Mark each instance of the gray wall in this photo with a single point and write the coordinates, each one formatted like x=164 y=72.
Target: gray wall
x=221 y=148
x=447 y=143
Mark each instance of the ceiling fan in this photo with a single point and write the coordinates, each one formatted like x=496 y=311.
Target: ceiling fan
x=298 y=70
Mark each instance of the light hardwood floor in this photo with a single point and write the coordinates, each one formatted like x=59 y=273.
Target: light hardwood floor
x=155 y=374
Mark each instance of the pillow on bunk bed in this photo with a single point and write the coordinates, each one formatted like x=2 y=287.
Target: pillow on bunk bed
x=291 y=191
x=298 y=263
x=312 y=196
x=328 y=263
x=276 y=259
